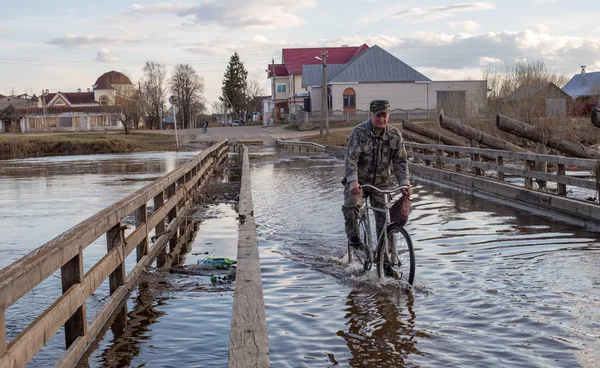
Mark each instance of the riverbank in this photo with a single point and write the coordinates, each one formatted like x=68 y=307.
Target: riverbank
x=25 y=145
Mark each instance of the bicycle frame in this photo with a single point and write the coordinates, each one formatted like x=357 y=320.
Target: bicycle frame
x=387 y=194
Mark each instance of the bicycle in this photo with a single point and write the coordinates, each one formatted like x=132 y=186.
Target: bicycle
x=400 y=265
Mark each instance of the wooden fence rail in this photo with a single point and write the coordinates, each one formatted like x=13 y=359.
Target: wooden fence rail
x=528 y=160
x=302 y=146
x=172 y=198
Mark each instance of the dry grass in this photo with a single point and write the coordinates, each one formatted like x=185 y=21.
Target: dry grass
x=20 y=146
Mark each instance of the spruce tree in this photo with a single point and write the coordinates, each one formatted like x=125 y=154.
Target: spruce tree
x=234 y=85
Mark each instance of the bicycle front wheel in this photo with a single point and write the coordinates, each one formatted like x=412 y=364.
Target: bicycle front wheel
x=362 y=255
x=397 y=260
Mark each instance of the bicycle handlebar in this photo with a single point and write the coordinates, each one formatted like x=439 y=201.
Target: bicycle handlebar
x=393 y=191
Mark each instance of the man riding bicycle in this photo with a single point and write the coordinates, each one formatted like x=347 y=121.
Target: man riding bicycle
x=374 y=149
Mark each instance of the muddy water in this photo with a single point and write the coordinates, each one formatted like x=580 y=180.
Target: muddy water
x=494 y=286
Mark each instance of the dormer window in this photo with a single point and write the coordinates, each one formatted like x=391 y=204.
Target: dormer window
x=103 y=101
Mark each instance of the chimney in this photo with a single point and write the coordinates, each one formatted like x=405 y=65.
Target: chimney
x=582 y=69
x=79 y=90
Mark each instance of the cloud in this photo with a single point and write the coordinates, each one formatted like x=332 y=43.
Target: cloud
x=545 y=1
x=245 y=14
x=74 y=41
x=415 y=15
x=105 y=55
x=160 y=8
x=5 y=32
x=541 y=28
x=488 y=60
x=440 y=74
x=467 y=26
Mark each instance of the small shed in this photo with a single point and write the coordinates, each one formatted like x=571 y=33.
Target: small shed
x=10 y=120
x=543 y=99
x=584 y=89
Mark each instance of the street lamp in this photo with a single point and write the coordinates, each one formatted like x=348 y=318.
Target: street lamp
x=44 y=122
x=174 y=101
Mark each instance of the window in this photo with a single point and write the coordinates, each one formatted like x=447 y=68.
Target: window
x=65 y=121
x=103 y=101
x=281 y=88
x=59 y=102
x=349 y=99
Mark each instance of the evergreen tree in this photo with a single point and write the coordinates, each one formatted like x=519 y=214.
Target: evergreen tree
x=234 y=85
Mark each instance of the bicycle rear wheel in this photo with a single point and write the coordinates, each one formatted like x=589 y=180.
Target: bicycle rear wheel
x=362 y=255
x=400 y=262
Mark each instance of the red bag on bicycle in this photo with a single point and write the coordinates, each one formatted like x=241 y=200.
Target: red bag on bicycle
x=400 y=210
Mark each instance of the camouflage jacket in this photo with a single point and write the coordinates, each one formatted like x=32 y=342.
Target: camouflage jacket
x=369 y=158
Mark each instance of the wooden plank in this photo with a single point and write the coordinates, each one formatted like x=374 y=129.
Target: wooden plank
x=71 y=274
x=578 y=162
x=2 y=333
x=248 y=340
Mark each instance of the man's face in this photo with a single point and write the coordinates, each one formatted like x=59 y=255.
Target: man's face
x=380 y=120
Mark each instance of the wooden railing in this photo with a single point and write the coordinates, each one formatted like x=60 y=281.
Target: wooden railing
x=300 y=146
x=172 y=198
x=528 y=161
x=248 y=340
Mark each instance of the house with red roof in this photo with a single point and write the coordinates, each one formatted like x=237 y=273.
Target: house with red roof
x=377 y=74
x=287 y=91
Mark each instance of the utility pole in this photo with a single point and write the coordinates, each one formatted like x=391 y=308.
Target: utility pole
x=274 y=91
x=324 y=99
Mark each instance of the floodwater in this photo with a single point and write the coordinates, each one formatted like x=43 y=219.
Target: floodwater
x=494 y=286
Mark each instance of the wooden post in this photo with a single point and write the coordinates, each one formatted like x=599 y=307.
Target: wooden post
x=2 y=333
x=457 y=156
x=141 y=215
x=500 y=162
x=159 y=201
x=475 y=158
x=439 y=155
x=172 y=216
x=561 y=189
x=529 y=166
x=71 y=274
x=114 y=238
x=541 y=166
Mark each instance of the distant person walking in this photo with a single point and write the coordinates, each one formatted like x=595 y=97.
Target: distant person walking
x=204 y=126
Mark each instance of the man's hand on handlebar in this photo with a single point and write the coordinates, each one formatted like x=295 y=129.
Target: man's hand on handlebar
x=406 y=190
x=355 y=188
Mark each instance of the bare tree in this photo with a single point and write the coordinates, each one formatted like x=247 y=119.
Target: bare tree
x=152 y=89
x=188 y=87
x=514 y=88
x=131 y=111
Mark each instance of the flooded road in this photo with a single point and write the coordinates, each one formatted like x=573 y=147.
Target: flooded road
x=494 y=286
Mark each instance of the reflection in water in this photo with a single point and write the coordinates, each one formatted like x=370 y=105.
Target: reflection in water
x=381 y=330
x=130 y=329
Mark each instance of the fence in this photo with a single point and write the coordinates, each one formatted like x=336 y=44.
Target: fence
x=172 y=198
x=361 y=115
x=521 y=165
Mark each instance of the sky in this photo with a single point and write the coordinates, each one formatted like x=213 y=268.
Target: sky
x=64 y=45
